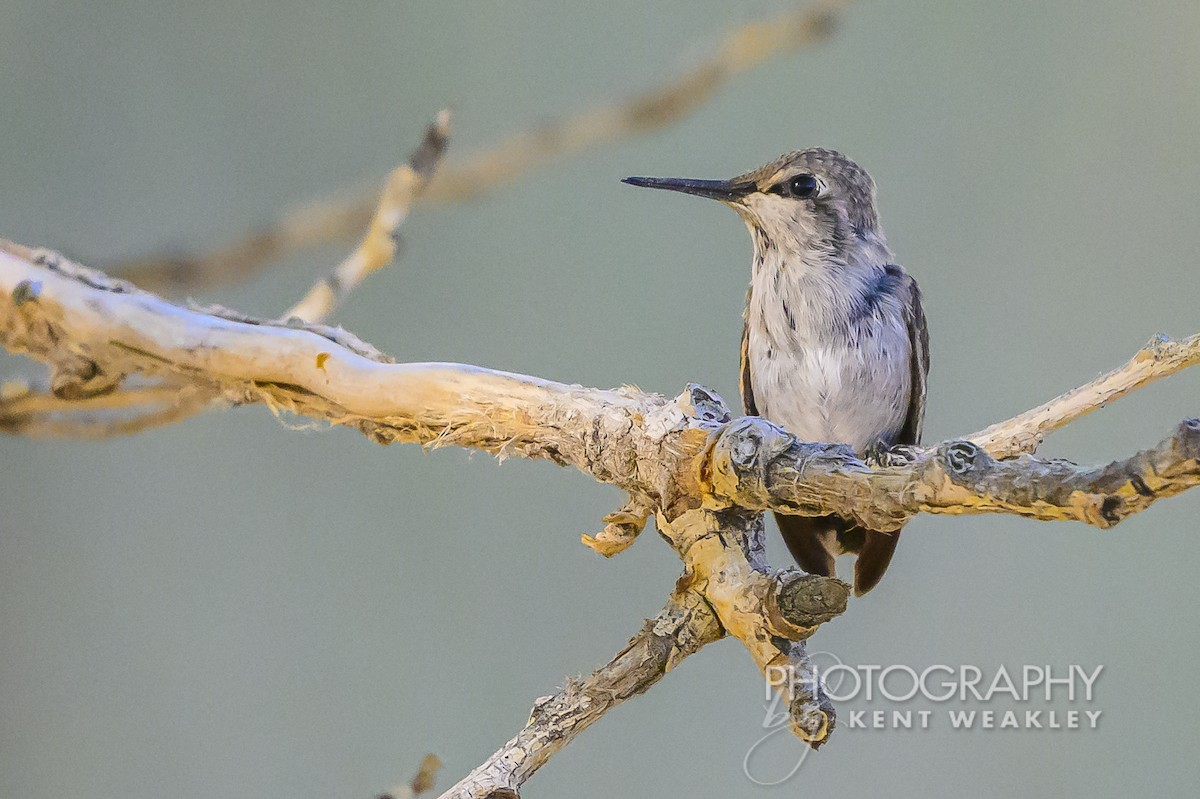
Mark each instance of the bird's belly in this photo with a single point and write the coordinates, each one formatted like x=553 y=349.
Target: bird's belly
x=836 y=394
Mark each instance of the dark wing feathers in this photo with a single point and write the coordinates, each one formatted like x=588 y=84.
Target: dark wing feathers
x=918 y=340
x=746 y=386
x=877 y=547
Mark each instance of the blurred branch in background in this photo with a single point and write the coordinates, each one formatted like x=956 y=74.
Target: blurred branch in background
x=704 y=475
x=378 y=247
x=420 y=784
x=338 y=221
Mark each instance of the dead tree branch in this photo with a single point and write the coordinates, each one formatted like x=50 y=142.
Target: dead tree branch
x=114 y=348
x=705 y=475
x=1158 y=359
x=123 y=360
x=682 y=627
x=677 y=452
x=378 y=247
x=82 y=402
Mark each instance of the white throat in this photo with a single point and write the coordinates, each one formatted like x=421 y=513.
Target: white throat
x=801 y=294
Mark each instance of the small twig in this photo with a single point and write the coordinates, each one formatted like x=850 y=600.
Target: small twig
x=378 y=247
x=21 y=399
x=681 y=628
x=1024 y=433
x=45 y=416
x=621 y=529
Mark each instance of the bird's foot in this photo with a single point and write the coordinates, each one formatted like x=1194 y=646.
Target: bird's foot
x=881 y=455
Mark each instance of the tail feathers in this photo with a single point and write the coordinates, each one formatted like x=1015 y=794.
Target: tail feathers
x=873 y=560
x=812 y=540
x=815 y=541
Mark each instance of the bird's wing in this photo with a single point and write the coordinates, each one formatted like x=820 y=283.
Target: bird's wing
x=747 y=389
x=877 y=548
x=918 y=340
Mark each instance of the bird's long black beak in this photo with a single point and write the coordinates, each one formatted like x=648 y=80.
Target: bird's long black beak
x=723 y=190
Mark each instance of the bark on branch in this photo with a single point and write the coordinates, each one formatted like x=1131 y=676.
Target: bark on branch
x=706 y=475
x=680 y=453
x=756 y=465
x=123 y=360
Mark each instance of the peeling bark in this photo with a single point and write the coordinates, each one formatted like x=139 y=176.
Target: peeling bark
x=706 y=476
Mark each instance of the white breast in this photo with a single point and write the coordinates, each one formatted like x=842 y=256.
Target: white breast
x=813 y=373
x=832 y=393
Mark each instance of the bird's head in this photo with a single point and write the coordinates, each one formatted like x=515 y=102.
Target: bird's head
x=808 y=200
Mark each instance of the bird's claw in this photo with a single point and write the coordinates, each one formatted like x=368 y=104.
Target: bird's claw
x=881 y=455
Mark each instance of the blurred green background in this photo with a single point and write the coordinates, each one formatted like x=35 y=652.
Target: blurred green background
x=235 y=608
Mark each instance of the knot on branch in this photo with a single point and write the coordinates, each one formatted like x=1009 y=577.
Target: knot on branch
x=79 y=378
x=741 y=458
x=813 y=717
x=796 y=603
x=704 y=404
x=963 y=461
x=26 y=291
x=1187 y=439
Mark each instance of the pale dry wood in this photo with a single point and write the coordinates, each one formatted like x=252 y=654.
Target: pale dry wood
x=706 y=475
x=112 y=410
x=755 y=465
x=621 y=528
x=378 y=247
x=90 y=419
x=22 y=398
x=682 y=627
x=339 y=220
x=724 y=559
x=644 y=443
x=1158 y=359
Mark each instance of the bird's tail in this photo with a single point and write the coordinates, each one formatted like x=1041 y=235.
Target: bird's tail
x=815 y=541
x=812 y=540
x=873 y=559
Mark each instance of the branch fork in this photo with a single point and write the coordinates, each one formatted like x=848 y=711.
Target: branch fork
x=707 y=477
x=123 y=360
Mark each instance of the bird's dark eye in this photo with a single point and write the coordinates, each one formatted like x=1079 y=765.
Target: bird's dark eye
x=803 y=187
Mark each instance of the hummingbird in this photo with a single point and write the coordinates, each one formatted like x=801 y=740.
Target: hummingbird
x=834 y=346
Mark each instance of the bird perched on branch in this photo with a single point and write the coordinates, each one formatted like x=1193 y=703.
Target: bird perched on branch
x=834 y=347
